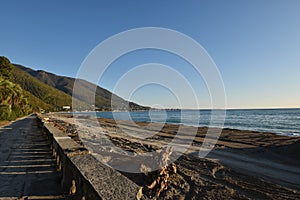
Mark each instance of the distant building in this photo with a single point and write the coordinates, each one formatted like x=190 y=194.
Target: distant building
x=66 y=107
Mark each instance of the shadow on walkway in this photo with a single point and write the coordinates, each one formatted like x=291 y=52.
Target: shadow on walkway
x=27 y=168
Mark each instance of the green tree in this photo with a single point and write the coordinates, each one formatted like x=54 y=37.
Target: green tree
x=5 y=68
x=13 y=102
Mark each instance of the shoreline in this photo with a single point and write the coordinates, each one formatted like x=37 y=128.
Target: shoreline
x=251 y=120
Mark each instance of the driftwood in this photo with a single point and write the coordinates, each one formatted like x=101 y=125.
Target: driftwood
x=161 y=177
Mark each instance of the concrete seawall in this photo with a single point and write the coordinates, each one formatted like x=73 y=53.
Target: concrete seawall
x=82 y=175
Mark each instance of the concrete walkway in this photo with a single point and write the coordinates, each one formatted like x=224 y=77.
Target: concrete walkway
x=27 y=168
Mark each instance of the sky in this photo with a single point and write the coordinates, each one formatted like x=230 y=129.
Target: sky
x=254 y=44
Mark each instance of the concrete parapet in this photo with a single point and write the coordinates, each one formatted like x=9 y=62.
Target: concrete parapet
x=83 y=176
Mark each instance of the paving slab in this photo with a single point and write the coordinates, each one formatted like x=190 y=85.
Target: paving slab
x=27 y=168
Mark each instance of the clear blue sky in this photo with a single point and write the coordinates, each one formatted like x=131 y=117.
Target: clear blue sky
x=255 y=44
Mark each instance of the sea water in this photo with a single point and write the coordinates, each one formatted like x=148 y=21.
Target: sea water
x=280 y=121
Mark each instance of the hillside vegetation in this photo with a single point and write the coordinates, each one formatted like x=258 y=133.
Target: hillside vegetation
x=13 y=99
x=85 y=90
x=24 y=90
x=42 y=95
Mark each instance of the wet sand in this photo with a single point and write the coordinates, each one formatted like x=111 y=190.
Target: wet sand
x=242 y=165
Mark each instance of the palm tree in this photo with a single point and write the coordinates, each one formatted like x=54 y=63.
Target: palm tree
x=12 y=101
x=6 y=92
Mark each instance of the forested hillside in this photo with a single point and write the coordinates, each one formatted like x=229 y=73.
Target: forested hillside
x=52 y=98
x=13 y=99
x=87 y=89
x=24 y=90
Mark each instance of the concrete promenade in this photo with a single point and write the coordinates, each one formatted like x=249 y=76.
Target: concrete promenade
x=27 y=168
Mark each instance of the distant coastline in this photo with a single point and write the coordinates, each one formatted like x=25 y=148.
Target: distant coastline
x=278 y=121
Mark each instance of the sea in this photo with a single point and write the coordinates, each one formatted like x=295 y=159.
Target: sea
x=279 y=121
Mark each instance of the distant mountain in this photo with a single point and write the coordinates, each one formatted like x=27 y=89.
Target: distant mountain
x=41 y=95
x=56 y=91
